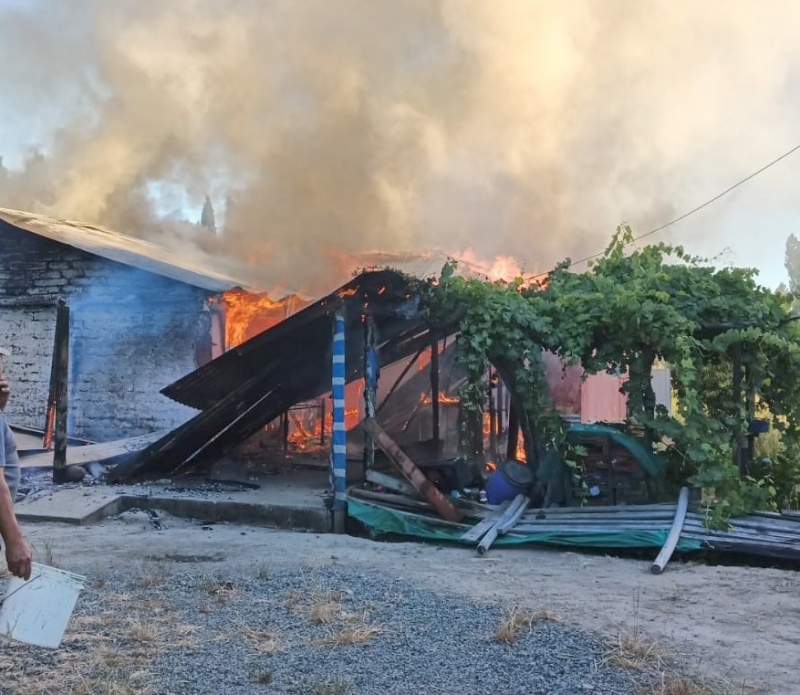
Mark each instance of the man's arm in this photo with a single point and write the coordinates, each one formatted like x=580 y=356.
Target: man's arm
x=18 y=553
x=5 y=390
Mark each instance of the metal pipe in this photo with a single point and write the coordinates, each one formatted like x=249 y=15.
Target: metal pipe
x=674 y=533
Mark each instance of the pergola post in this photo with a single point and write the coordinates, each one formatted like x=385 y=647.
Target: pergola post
x=338 y=440
x=370 y=390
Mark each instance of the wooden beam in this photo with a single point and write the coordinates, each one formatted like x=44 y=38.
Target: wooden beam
x=434 y=366
x=89 y=453
x=413 y=474
x=478 y=531
x=61 y=361
x=390 y=483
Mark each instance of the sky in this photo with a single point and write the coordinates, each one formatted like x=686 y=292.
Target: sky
x=523 y=129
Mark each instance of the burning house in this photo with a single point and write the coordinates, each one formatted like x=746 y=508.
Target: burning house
x=238 y=370
x=140 y=318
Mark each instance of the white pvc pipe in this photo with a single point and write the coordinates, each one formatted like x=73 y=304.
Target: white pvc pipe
x=674 y=533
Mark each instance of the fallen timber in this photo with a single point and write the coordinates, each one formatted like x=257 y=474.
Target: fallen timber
x=507 y=521
x=762 y=534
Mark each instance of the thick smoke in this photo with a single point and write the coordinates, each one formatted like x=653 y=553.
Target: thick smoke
x=323 y=129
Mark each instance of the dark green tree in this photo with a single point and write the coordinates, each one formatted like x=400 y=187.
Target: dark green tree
x=792 y=262
x=628 y=310
x=207 y=218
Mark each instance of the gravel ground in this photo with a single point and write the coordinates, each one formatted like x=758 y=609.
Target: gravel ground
x=166 y=630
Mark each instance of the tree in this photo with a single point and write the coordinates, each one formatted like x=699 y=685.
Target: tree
x=207 y=218
x=792 y=262
x=730 y=344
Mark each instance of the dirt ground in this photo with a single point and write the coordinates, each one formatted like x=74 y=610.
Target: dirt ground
x=739 y=624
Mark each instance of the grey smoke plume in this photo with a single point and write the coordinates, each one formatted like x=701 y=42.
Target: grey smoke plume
x=323 y=129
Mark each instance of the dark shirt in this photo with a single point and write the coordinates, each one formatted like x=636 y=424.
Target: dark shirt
x=9 y=459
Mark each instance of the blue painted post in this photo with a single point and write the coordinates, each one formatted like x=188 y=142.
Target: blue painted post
x=339 y=448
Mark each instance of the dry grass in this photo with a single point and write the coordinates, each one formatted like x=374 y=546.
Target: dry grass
x=679 y=686
x=671 y=683
x=637 y=652
x=327 y=607
x=320 y=601
x=221 y=591
x=357 y=634
x=262 y=640
x=152 y=575
x=117 y=598
x=117 y=648
x=325 y=610
x=517 y=621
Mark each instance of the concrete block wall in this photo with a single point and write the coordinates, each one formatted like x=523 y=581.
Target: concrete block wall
x=131 y=333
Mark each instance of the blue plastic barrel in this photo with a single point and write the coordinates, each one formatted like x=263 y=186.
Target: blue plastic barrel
x=511 y=478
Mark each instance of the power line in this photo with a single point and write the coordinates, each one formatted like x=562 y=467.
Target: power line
x=686 y=214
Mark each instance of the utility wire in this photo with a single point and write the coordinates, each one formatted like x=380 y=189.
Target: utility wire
x=686 y=214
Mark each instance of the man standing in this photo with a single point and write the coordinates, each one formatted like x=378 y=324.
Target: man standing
x=18 y=552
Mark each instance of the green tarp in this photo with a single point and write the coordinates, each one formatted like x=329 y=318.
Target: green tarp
x=387 y=521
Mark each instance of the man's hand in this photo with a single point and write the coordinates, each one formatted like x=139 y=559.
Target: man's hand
x=19 y=557
x=5 y=392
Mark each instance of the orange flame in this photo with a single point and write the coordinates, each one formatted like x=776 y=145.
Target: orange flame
x=444 y=399
x=247 y=314
x=520 y=454
x=305 y=427
x=503 y=268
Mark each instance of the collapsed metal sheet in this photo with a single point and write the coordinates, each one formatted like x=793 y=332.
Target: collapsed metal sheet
x=249 y=386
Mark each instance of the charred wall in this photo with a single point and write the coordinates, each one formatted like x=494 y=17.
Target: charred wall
x=131 y=333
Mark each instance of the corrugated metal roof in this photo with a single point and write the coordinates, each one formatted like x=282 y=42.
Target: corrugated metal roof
x=130 y=251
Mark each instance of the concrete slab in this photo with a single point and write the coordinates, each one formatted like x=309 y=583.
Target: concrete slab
x=73 y=505
x=294 y=500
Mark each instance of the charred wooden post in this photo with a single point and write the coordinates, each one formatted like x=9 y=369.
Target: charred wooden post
x=435 y=386
x=370 y=389
x=413 y=474
x=493 y=381
x=61 y=381
x=322 y=415
x=285 y=430
x=338 y=438
x=513 y=432
x=50 y=413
